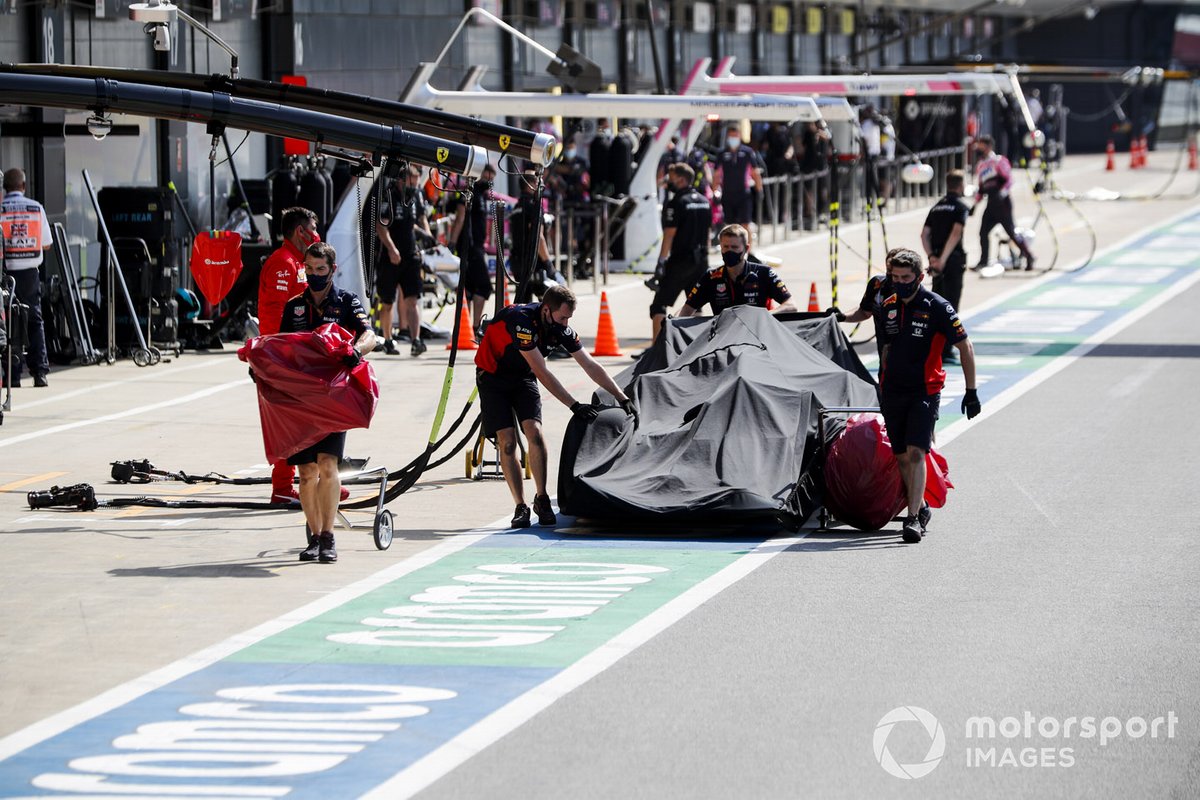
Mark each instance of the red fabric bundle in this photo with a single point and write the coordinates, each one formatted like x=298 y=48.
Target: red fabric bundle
x=216 y=262
x=863 y=487
x=305 y=392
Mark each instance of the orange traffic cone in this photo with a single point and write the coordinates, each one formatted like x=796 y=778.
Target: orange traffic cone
x=1143 y=152
x=1111 y=150
x=1192 y=165
x=813 y=303
x=1133 y=153
x=466 y=336
x=606 y=335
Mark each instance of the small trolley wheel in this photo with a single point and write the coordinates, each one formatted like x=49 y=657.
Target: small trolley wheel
x=155 y=356
x=142 y=357
x=309 y=536
x=382 y=530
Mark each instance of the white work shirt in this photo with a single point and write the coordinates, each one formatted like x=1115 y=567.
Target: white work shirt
x=26 y=231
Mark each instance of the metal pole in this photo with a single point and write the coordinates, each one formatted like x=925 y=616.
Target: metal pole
x=570 y=247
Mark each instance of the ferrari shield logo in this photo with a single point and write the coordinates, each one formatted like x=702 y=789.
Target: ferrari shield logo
x=442 y=154
x=505 y=141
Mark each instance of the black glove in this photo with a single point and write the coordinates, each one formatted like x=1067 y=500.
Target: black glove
x=253 y=377
x=627 y=407
x=837 y=313
x=971 y=213
x=587 y=413
x=352 y=359
x=970 y=404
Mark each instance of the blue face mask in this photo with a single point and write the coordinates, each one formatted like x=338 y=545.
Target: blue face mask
x=318 y=283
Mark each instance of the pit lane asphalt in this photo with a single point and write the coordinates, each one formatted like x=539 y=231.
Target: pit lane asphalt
x=98 y=599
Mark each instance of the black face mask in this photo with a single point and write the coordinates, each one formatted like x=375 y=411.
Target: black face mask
x=732 y=258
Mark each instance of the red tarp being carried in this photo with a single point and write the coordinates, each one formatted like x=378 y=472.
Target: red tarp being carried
x=305 y=392
x=216 y=262
x=862 y=478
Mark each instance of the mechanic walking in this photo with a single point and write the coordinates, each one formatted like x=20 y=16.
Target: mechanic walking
x=321 y=303
x=942 y=238
x=469 y=233
x=401 y=217
x=683 y=259
x=281 y=279
x=739 y=281
x=27 y=237
x=993 y=174
x=510 y=362
x=916 y=325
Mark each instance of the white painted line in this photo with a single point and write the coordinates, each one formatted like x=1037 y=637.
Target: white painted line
x=120 y=695
x=510 y=717
x=129 y=412
x=1005 y=398
x=154 y=373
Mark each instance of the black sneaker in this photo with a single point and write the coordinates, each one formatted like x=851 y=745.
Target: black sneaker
x=326 y=553
x=40 y=381
x=313 y=551
x=521 y=516
x=389 y=347
x=923 y=517
x=418 y=347
x=543 y=509
x=912 y=531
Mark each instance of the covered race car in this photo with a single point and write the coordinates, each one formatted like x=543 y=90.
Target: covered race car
x=728 y=427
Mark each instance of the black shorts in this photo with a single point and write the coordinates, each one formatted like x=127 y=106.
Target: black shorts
x=678 y=278
x=737 y=210
x=476 y=280
x=909 y=418
x=501 y=397
x=406 y=276
x=334 y=444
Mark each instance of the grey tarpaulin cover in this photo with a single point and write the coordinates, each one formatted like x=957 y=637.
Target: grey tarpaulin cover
x=728 y=410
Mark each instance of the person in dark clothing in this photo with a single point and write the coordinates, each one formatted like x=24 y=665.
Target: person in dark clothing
x=915 y=326
x=469 y=233
x=510 y=362
x=738 y=170
x=399 y=265
x=529 y=251
x=683 y=258
x=942 y=237
x=321 y=303
x=739 y=281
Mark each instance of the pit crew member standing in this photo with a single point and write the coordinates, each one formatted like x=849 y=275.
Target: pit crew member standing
x=915 y=326
x=942 y=238
x=469 y=233
x=738 y=282
x=321 y=303
x=510 y=362
x=402 y=215
x=993 y=174
x=281 y=279
x=683 y=259
x=26 y=239
x=738 y=169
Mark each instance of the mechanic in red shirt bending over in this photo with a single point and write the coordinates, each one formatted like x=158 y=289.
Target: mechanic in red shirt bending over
x=510 y=362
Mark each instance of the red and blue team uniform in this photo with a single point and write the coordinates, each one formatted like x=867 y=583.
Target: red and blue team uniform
x=506 y=382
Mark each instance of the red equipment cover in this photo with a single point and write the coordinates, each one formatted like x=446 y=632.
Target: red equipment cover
x=863 y=487
x=305 y=392
x=216 y=262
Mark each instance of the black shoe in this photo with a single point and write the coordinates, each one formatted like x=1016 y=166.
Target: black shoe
x=313 y=551
x=418 y=347
x=40 y=381
x=389 y=347
x=326 y=552
x=912 y=531
x=521 y=516
x=545 y=512
x=923 y=516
